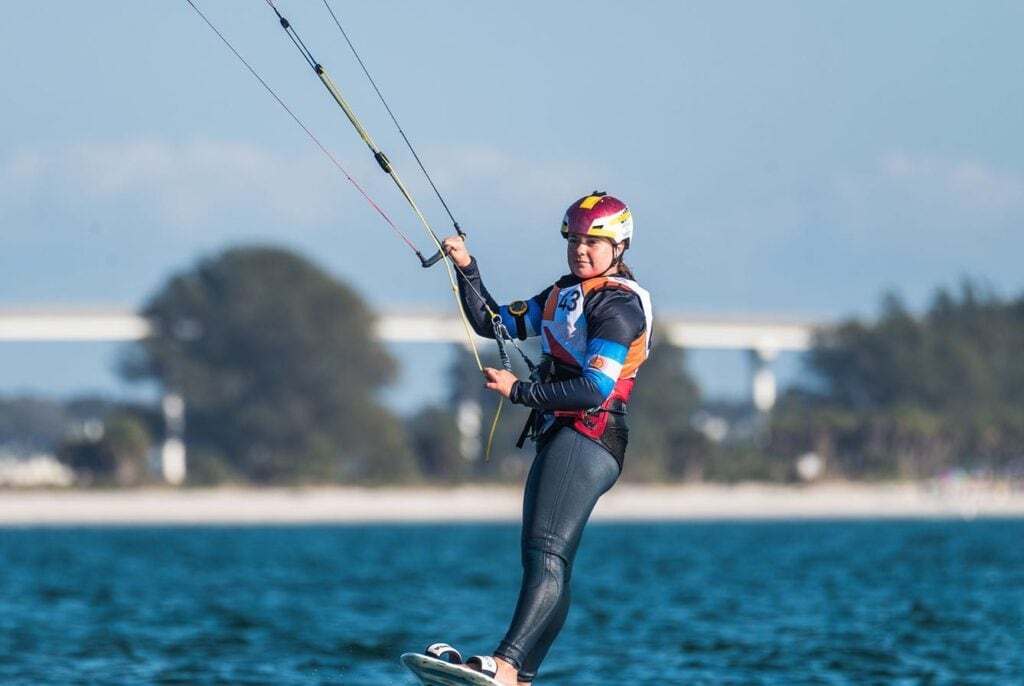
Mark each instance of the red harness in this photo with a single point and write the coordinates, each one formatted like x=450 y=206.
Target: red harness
x=593 y=422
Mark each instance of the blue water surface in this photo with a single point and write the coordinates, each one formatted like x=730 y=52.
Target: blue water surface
x=904 y=602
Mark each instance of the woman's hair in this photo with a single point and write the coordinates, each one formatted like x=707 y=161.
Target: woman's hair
x=623 y=268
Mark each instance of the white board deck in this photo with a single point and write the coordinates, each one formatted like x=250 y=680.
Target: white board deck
x=434 y=672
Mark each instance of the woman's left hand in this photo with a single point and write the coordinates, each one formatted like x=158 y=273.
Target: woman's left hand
x=455 y=246
x=499 y=380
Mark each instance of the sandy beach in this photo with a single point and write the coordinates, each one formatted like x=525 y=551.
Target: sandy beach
x=626 y=502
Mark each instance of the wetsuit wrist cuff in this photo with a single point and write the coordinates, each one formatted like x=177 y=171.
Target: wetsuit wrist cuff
x=515 y=396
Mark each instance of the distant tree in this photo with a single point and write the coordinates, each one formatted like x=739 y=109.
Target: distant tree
x=662 y=440
x=117 y=455
x=506 y=462
x=35 y=424
x=963 y=353
x=29 y=424
x=278 y=369
x=912 y=395
x=435 y=439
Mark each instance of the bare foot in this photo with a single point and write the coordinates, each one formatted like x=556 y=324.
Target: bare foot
x=507 y=674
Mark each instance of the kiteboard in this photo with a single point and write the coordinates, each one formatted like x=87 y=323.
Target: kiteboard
x=433 y=671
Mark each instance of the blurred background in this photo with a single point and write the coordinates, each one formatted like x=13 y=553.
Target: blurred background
x=829 y=207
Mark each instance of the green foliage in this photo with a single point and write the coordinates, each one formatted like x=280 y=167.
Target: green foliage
x=116 y=457
x=278 y=370
x=911 y=396
x=30 y=425
x=734 y=463
x=964 y=353
x=662 y=442
x=279 y=373
x=506 y=461
x=435 y=440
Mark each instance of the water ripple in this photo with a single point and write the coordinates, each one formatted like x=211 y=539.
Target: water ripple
x=831 y=603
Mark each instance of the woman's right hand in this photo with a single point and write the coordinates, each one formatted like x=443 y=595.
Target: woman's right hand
x=456 y=249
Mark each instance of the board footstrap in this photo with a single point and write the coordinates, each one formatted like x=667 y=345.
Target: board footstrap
x=485 y=664
x=443 y=651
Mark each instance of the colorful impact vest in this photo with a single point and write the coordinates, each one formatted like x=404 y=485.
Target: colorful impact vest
x=571 y=352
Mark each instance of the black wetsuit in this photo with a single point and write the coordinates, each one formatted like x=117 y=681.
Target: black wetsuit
x=570 y=471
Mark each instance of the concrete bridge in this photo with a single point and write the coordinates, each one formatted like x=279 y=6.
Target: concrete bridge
x=762 y=337
x=766 y=335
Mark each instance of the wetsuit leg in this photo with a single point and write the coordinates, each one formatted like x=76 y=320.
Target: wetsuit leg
x=566 y=479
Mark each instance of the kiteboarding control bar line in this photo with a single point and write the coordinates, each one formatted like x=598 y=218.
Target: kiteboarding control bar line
x=378 y=155
x=334 y=161
x=309 y=133
x=501 y=332
x=394 y=119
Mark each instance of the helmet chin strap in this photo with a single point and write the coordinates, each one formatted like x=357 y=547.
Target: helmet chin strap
x=616 y=259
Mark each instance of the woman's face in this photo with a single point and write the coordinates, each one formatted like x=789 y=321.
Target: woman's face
x=590 y=256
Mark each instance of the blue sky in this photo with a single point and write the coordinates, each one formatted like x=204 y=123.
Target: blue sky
x=797 y=157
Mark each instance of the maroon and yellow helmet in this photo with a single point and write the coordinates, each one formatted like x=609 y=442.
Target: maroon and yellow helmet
x=599 y=214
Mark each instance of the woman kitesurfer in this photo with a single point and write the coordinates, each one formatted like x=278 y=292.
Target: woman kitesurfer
x=595 y=325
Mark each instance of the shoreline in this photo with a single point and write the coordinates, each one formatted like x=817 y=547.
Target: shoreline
x=482 y=503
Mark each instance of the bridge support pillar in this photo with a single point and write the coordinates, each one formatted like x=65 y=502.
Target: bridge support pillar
x=468 y=417
x=762 y=381
x=172 y=452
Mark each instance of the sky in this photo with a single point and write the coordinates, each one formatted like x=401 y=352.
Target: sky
x=788 y=158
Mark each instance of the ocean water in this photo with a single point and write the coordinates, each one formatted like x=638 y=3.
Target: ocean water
x=904 y=602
